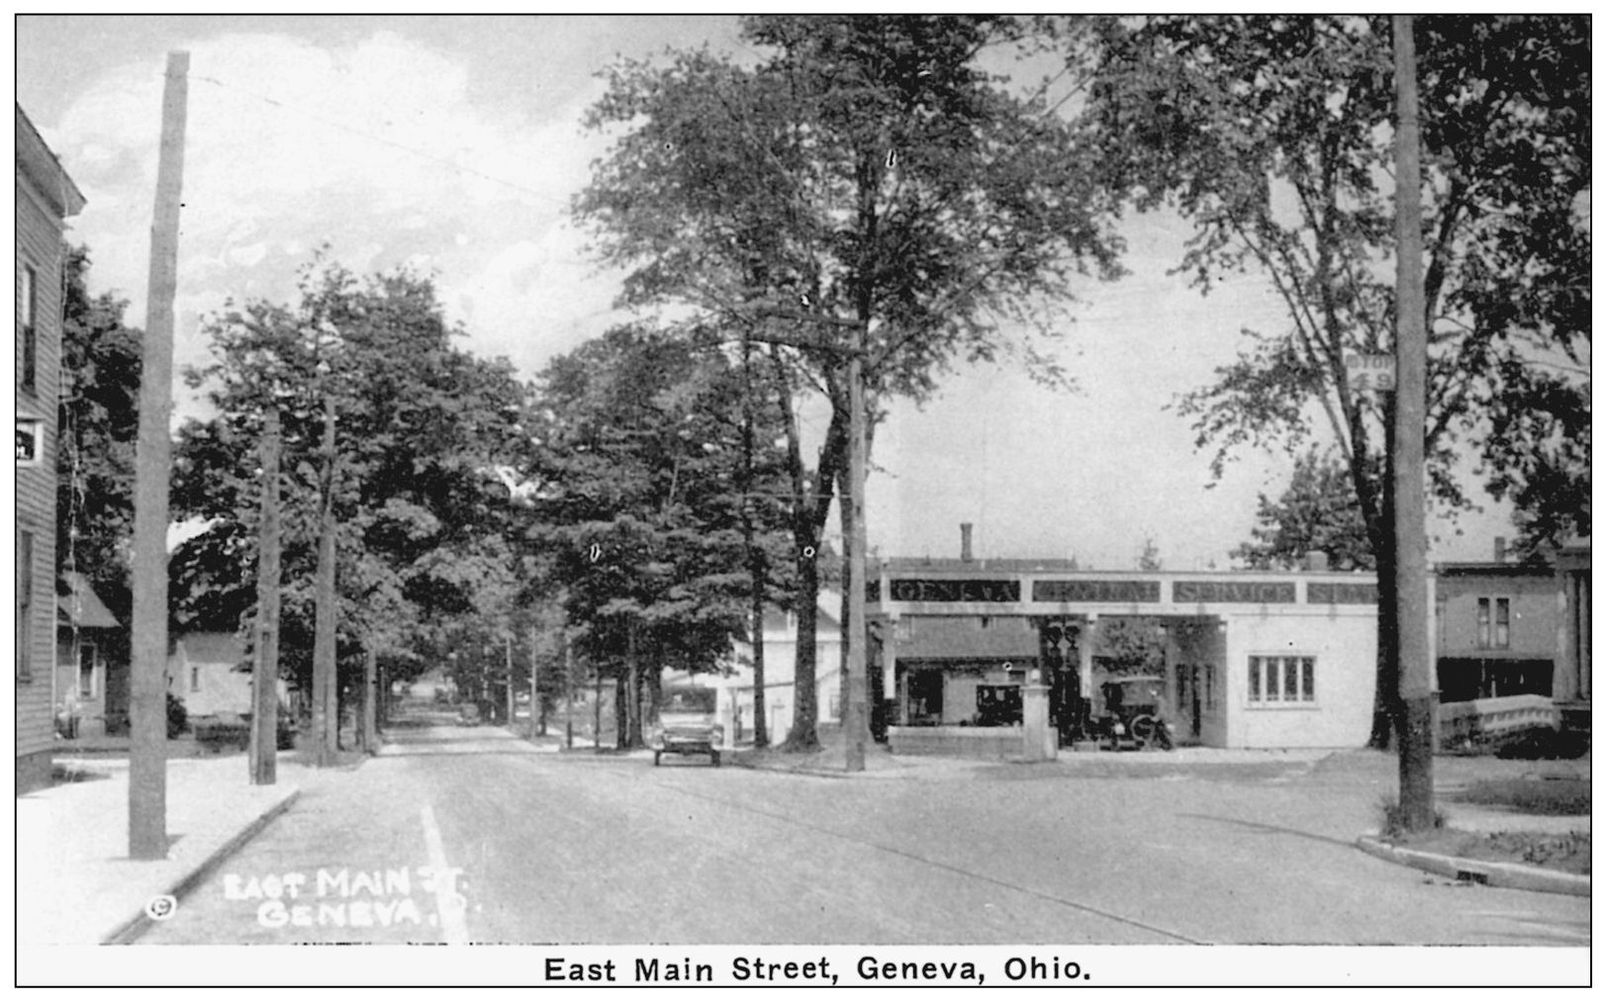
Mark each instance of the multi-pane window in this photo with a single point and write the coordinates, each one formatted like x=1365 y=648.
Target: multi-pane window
x=1275 y=680
x=27 y=303
x=1491 y=622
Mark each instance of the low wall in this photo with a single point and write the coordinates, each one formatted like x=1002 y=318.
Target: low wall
x=1473 y=721
x=959 y=742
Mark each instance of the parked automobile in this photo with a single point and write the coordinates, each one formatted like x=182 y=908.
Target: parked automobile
x=1133 y=717
x=469 y=714
x=685 y=724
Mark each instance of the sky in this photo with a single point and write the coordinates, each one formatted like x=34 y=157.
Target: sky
x=454 y=144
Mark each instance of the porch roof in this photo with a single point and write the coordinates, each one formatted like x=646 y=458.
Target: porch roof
x=81 y=607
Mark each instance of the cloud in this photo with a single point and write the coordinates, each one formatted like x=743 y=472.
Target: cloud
x=373 y=146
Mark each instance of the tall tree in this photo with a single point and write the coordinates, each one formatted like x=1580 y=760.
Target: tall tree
x=98 y=418
x=1271 y=136
x=1318 y=511
x=424 y=528
x=864 y=181
x=657 y=510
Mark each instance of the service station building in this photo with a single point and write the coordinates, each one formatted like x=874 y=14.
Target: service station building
x=1250 y=659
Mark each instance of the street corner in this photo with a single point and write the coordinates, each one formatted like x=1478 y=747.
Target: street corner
x=1490 y=873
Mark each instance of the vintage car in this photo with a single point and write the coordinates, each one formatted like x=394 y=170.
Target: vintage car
x=685 y=724
x=1133 y=717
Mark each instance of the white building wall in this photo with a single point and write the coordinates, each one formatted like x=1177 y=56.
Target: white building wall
x=1343 y=648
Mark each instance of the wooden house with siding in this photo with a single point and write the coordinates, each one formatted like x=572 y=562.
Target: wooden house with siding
x=46 y=197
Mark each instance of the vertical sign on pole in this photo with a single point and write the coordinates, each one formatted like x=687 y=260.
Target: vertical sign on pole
x=148 y=767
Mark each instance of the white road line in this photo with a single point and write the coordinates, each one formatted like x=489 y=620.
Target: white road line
x=449 y=903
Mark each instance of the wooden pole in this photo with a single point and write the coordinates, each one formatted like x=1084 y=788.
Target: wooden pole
x=856 y=727
x=265 y=670
x=508 y=674
x=371 y=698
x=148 y=767
x=569 y=695
x=326 y=705
x=538 y=707
x=1416 y=743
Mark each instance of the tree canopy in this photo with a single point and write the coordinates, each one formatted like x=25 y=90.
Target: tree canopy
x=424 y=525
x=1272 y=136
x=98 y=421
x=657 y=506
x=863 y=175
x=1317 y=512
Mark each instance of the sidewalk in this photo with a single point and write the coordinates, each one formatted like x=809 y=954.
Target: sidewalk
x=76 y=885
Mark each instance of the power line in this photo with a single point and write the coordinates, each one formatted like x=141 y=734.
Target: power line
x=342 y=126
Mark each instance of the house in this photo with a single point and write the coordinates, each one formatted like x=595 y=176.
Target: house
x=780 y=637
x=90 y=688
x=45 y=198
x=211 y=674
x=1507 y=628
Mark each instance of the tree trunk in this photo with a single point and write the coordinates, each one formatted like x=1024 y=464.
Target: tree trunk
x=762 y=736
x=633 y=692
x=803 y=737
x=1387 y=702
x=620 y=712
x=756 y=557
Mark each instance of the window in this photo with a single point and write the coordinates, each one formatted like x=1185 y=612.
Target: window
x=1491 y=622
x=27 y=304
x=25 y=602
x=1283 y=680
x=86 y=671
x=30 y=441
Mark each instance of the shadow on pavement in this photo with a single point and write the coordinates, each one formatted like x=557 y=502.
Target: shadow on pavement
x=1270 y=829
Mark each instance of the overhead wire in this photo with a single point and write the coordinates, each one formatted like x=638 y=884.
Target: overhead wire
x=404 y=147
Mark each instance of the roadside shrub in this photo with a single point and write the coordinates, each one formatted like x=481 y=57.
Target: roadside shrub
x=178 y=716
x=1532 y=796
x=1542 y=743
x=218 y=735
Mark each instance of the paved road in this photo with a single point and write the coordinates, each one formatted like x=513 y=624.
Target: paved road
x=551 y=848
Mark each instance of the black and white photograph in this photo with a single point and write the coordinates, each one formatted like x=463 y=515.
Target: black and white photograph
x=776 y=501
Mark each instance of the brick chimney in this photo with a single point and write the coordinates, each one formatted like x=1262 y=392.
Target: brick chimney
x=1500 y=550
x=966 y=541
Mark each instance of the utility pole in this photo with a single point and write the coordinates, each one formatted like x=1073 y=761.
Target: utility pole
x=148 y=765
x=856 y=728
x=569 y=695
x=536 y=695
x=371 y=697
x=1416 y=741
x=265 y=670
x=508 y=672
x=326 y=704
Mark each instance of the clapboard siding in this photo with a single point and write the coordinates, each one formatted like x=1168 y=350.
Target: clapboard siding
x=39 y=246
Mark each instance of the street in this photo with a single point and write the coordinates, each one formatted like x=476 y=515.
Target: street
x=467 y=834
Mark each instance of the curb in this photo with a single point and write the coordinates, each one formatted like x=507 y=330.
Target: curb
x=1515 y=876
x=130 y=931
